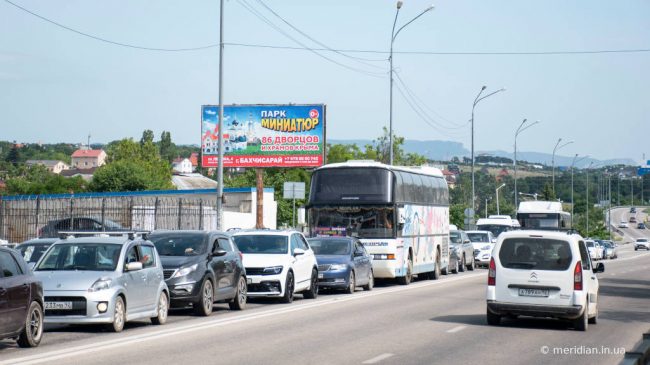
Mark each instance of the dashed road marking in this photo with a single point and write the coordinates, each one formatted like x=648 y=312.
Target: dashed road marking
x=456 y=329
x=379 y=358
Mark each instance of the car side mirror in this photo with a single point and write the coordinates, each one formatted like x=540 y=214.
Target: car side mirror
x=400 y=226
x=494 y=240
x=599 y=268
x=358 y=254
x=218 y=251
x=134 y=266
x=467 y=241
x=298 y=251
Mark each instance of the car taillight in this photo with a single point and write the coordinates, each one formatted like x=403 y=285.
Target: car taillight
x=492 y=273
x=577 y=277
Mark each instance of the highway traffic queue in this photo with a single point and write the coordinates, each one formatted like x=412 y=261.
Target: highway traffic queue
x=367 y=221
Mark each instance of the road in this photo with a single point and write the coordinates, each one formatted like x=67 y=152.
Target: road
x=631 y=233
x=427 y=322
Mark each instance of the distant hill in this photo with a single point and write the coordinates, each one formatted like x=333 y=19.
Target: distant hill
x=445 y=150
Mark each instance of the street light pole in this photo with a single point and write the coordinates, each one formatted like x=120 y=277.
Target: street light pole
x=519 y=130
x=497 y=194
x=220 y=226
x=392 y=40
x=572 y=167
x=557 y=147
x=476 y=101
x=587 y=198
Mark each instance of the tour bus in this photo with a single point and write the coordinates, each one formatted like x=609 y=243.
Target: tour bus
x=497 y=224
x=400 y=214
x=543 y=215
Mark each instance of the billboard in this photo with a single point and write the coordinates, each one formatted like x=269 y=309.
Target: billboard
x=264 y=135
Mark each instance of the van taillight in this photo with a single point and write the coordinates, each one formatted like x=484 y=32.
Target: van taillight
x=577 y=277
x=492 y=273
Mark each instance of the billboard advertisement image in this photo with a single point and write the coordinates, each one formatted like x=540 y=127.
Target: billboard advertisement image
x=264 y=135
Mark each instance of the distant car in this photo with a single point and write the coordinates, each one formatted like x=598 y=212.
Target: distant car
x=343 y=263
x=483 y=243
x=32 y=250
x=200 y=268
x=21 y=300
x=610 y=250
x=641 y=243
x=632 y=219
x=78 y=224
x=632 y=209
x=623 y=224
x=278 y=264
x=641 y=225
x=465 y=249
x=595 y=250
x=108 y=280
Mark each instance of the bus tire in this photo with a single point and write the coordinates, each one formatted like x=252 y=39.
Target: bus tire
x=406 y=279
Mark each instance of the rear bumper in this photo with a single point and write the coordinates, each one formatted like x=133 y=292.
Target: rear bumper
x=534 y=310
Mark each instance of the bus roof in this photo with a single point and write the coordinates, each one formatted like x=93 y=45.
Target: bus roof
x=422 y=170
x=501 y=221
x=539 y=206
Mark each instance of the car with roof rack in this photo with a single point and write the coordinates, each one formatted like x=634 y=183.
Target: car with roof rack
x=109 y=280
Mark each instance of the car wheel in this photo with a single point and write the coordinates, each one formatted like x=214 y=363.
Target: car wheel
x=119 y=315
x=312 y=293
x=203 y=306
x=594 y=319
x=581 y=323
x=462 y=265
x=163 y=310
x=371 y=282
x=288 y=289
x=493 y=319
x=406 y=279
x=471 y=267
x=352 y=284
x=455 y=270
x=239 y=301
x=33 y=331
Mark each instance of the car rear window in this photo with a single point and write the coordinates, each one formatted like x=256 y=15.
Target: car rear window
x=535 y=253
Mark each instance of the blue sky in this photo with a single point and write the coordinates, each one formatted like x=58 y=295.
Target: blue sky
x=59 y=86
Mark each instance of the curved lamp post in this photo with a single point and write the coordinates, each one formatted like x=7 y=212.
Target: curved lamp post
x=519 y=130
x=557 y=147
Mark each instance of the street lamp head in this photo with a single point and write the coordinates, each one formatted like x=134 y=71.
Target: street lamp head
x=484 y=87
x=431 y=7
x=399 y=4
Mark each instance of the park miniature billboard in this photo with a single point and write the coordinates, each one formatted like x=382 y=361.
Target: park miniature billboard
x=264 y=135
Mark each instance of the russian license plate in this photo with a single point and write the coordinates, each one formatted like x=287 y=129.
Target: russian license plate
x=58 y=305
x=320 y=276
x=533 y=292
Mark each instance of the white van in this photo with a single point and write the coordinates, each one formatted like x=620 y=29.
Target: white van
x=543 y=274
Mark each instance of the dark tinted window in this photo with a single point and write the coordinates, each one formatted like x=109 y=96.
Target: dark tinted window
x=266 y=244
x=478 y=237
x=175 y=244
x=330 y=246
x=535 y=253
x=352 y=185
x=8 y=265
x=31 y=253
x=224 y=243
x=455 y=237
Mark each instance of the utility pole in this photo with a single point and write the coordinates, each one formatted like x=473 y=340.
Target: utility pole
x=220 y=226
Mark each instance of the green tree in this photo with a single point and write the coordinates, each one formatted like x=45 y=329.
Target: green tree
x=167 y=147
x=147 y=137
x=14 y=155
x=38 y=180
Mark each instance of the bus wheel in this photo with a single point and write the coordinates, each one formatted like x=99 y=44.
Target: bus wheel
x=406 y=279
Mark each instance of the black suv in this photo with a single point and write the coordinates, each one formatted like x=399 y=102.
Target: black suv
x=201 y=268
x=21 y=316
x=78 y=224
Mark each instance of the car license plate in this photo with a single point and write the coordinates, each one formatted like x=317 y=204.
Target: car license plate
x=320 y=276
x=58 y=305
x=533 y=292
x=249 y=281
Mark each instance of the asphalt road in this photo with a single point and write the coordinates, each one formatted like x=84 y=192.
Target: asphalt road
x=427 y=322
x=631 y=233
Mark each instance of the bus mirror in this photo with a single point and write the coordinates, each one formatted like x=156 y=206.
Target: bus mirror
x=400 y=226
x=401 y=217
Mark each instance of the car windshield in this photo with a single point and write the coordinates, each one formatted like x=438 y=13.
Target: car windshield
x=81 y=256
x=478 y=237
x=455 y=237
x=535 y=254
x=642 y=240
x=496 y=229
x=330 y=247
x=176 y=244
x=31 y=253
x=262 y=243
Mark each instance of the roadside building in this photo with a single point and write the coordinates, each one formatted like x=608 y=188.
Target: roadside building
x=54 y=166
x=86 y=159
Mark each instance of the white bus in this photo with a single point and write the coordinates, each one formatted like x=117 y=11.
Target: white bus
x=543 y=215
x=400 y=214
x=497 y=224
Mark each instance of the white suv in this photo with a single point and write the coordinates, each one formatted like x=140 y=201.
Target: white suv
x=641 y=243
x=543 y=274
x=278 y=264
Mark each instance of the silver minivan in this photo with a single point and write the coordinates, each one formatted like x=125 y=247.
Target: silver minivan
x=108 y=280
x=543 y=274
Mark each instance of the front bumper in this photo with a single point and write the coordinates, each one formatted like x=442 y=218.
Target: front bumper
x=535 y=310
x=333 y=279
x=82 y=312
x=183 y=293
x=266 y=285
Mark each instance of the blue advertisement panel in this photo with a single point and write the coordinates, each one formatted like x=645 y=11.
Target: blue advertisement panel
x=264 y=135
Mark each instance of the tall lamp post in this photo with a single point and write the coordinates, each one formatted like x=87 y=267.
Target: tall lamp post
x=519 y=130
x=220 y=226
x=476 y=101
x=497 y=194
x=573 y=163
x=392 y=40
x=587 y=197
x=557 y=147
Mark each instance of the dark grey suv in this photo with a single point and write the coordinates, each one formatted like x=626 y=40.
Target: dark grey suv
x=201 y=268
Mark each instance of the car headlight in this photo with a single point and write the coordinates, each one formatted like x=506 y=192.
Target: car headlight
x=185 y=271
x=337 y=267
x=101 y=284
x=272 y=270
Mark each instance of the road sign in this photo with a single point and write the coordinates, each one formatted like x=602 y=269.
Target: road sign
x=643 y=171
x=469 y=221
x=294 y=190
x=469 y=212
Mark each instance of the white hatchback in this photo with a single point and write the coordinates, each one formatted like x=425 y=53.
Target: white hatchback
x=278 y=264
x=543 y=274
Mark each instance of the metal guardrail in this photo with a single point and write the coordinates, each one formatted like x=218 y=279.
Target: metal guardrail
x=640 y=355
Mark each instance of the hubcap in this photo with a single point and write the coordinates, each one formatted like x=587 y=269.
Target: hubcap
x=242 y=291
x=119 y=314
x=207 y=296
x=35 y=324
x=162 y=307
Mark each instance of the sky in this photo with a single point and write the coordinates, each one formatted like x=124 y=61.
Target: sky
x=60 y=86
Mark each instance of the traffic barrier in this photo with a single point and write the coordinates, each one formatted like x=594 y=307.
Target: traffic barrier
x=641 y=353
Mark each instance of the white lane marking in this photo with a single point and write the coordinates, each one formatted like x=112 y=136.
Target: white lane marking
x=129 y=340
x=456 y=329
x=377 y=359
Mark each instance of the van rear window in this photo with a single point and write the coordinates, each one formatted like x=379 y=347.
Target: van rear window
x=535 y=253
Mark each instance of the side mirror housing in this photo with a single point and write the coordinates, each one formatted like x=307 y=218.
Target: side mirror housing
x=134 y=266
x=494 y=240
x=218 y=251
x=599 y=268
x=298 y=251
x=467 y=241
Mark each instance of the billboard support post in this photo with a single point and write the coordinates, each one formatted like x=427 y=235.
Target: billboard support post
x=220 y=226
x=259 y=216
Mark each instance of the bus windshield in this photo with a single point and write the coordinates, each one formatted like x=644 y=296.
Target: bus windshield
x=363 y=222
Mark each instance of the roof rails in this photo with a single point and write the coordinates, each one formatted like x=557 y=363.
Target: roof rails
x=131 y=234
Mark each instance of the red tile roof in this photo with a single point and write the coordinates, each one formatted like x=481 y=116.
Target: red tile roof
x=87 y=153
